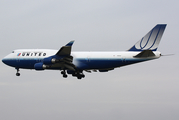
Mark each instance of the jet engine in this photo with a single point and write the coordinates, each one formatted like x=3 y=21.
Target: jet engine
x=49 y=60
x=40 y=66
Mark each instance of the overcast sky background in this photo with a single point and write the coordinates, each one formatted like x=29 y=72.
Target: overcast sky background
x=142 y=91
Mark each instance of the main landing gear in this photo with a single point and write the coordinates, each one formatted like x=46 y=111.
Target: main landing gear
x=79 y=75
x=64 y=74
x=17 y=74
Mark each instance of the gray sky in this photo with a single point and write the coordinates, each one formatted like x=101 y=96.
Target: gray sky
x=141 y=91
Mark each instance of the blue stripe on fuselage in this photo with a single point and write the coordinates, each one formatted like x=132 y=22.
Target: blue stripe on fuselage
x=83 y=63
x=22 y=63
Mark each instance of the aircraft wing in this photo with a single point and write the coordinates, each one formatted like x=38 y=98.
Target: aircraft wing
x=65 y=50
x=62 y=60
x=67 y=59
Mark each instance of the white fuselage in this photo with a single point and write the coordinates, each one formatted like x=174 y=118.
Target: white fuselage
x=26 y=58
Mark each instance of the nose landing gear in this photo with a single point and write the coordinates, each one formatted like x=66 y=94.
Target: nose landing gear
x=17 y=74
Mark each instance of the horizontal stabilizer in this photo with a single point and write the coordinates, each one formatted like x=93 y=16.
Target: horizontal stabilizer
x=145 y=53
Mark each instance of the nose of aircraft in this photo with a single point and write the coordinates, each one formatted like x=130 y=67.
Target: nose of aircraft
x=9 y=60
x=4 y=61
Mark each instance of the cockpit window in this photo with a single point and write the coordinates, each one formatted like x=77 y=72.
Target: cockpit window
x=12 y=51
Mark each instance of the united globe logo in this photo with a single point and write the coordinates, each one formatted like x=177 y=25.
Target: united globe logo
x=18 y=54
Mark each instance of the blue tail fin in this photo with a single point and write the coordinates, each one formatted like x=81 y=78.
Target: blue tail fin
x=151 y=40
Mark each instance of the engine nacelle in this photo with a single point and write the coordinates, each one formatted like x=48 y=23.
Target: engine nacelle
x=49 y=60
x=40 y=66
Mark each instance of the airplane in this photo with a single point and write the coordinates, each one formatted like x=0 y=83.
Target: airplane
x=75 y=63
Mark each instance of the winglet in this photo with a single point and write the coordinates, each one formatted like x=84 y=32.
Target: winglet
x=151 y=40
x=70 y=43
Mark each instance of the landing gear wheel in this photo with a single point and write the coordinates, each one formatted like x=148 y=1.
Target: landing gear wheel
x=62 y=72
x=82 y=75
x=65 y=76
x=17 y=74
x=79 y=77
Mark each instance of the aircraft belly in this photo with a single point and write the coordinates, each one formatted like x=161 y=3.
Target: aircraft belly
x=98 y=63
x=106 y=63
x=102 y=64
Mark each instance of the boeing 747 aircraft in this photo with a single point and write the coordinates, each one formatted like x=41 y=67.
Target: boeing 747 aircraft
x=75 y=63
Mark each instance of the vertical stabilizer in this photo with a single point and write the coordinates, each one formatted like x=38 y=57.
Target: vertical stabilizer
x=151 y=40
